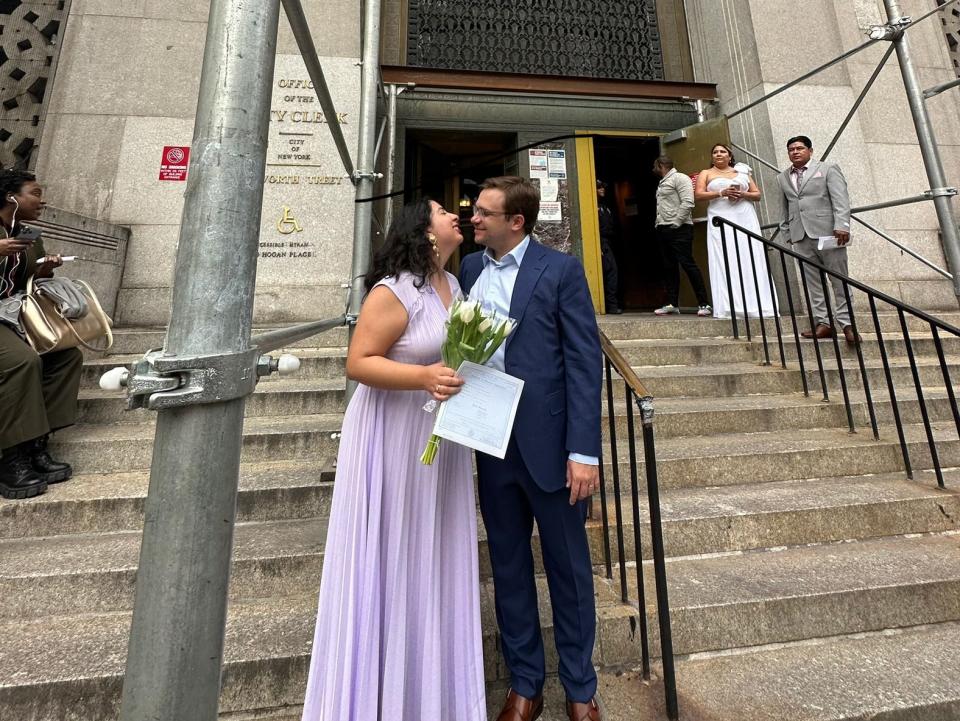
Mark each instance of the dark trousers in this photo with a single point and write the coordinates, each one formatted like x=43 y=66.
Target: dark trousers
x=37 y=393
x=676 y=244
x=510 y=501
x=609 y=262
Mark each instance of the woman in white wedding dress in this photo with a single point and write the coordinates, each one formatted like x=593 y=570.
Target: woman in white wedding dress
x=732 y=193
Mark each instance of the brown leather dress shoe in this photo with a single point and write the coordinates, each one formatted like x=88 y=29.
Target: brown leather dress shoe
x=584 y=711
x=821 y=331
x=518 y=708
x=851 y=337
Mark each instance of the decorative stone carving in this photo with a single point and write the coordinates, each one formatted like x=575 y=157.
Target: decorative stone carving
x=29 y=31
x=616 y=39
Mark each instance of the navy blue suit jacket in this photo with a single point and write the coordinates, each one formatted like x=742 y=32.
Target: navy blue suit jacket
x=555 y=349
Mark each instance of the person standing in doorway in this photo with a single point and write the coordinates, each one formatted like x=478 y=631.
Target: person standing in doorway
x=675 y=236
x=608 y=232
x=816 y=205
x=551 y=465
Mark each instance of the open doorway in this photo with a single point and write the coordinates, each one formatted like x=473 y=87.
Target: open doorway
x=625 y=165
x=448 y=166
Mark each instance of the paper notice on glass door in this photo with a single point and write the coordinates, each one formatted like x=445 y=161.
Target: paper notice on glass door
x=557 y=164
x=549 y=189
x=550 y=213
x=538 y=164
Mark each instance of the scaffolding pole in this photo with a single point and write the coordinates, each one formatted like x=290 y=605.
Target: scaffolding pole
x=176 y=643
x=928 y=144
x=366 y=173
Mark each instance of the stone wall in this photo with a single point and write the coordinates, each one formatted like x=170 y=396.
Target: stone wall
x=751 y=48
x=127 y=87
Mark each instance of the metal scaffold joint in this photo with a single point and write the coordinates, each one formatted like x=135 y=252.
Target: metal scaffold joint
x=941 y=192
x=157 y=382
x=359 y=175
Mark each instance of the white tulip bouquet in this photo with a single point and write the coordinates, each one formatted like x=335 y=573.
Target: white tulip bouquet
x=473 y=334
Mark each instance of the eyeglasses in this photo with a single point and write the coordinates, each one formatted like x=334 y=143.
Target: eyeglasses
x=484 y=213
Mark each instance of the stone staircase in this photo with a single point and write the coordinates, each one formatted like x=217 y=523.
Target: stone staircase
x=808 y=578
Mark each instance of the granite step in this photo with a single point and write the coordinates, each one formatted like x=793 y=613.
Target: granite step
x=111 y=448
x=739 y=379
x=686 y=416
x=922 y=344
x=96 y=573
x=775 y=596
x=646 y=325
x=901 y=675
x=703 y=521
x=71 y=666
x=276 y=398
x=682 y=461
x=685 y=351
x=779 y=455
x=137 y=340
x=112 y=502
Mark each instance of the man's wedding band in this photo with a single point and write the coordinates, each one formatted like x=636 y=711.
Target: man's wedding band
x=438 y=387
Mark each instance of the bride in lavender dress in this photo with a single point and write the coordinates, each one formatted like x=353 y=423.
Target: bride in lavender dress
x=398 y=624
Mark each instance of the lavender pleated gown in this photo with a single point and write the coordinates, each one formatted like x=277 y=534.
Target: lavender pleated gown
x=398 y=625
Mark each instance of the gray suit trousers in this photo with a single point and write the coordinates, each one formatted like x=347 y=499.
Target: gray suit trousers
x=835 y=260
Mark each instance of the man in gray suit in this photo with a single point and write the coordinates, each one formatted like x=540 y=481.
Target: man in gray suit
x=815 y=206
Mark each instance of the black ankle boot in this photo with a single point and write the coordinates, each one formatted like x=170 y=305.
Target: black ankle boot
x=48 y=469
x=17 y=477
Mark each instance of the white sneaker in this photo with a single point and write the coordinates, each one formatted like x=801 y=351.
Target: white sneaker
x=668 y=309
x=705 y=311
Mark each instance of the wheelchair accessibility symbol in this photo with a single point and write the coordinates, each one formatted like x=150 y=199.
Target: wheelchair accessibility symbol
x=287 y=223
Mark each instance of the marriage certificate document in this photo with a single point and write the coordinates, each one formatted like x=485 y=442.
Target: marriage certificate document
x=481 y=415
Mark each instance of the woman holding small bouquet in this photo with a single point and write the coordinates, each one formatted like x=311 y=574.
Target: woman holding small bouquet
x=398 y=625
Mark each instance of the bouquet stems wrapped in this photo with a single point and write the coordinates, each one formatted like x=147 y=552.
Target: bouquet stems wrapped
x=474 y=335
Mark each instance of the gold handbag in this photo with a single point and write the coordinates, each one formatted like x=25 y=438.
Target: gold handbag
x=47 y=330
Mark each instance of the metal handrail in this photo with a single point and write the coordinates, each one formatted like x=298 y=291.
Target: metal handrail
x=902 y=310
x=282 y=337
x=623 y=367
x=635 y=392
x=886 y=236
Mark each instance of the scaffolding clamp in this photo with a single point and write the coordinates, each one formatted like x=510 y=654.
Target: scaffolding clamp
x=891 y=31
x=940 y=192
x=158 y=382
x=359 y=175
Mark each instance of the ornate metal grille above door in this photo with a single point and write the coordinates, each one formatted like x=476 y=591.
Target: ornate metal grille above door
x=28 y=37
x=951 y=26
x=615 y=39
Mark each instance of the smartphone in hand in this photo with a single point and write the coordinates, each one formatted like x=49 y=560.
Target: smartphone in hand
x=28 y=234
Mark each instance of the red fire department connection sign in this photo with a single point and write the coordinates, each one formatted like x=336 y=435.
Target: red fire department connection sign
x=173 y=164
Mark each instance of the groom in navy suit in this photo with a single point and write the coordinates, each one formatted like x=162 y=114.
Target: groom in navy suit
x=551 y=466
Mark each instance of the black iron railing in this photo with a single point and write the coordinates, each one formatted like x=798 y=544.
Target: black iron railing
x=634 y=393
x=757 y=246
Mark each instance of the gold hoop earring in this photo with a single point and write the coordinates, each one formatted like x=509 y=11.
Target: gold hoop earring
x=433 y=241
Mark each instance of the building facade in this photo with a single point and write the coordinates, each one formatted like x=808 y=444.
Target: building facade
x=568 y=91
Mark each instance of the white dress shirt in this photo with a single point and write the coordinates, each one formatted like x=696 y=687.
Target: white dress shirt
x=494 y=290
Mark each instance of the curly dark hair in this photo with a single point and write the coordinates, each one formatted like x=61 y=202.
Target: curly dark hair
x=13 y=179
x=406 y=248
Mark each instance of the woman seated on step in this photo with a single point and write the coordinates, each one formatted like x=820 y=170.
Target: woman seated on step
x=38 y=394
